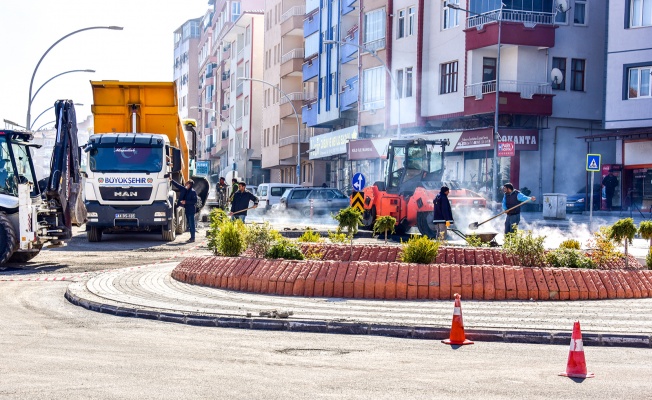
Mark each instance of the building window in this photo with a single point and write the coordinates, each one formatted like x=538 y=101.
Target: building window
x=448 y=78
x=246 y=106
x=235 y=11
x=560 y=64
x=373 y=89
x=404 y=82
x=374 y=25
x=399 y=82
x=639 y=82
x=579 y=17
x=578 y=71
x=248 y=36
x=451 y=15
x=640 y=13
x=411 y=28
x=408 y=82
x=400 y=31
x=561 y=17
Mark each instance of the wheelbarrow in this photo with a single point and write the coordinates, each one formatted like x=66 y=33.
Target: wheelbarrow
x=485 y=237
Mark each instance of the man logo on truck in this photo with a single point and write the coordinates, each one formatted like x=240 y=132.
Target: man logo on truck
x=125 y=194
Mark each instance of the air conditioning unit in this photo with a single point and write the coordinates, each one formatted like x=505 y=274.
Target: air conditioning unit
x=225 y=107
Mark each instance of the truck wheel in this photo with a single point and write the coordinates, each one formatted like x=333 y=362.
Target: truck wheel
x=169 y=232
x=425 y=225
x=94 y=234
x=8 y=239
x=181 y=221
x=369 y=218
x=23 y=256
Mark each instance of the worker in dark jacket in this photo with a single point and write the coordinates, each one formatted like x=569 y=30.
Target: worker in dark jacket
x=240 y=202
x=513 y=198
x=443 y=214
x=188 y=200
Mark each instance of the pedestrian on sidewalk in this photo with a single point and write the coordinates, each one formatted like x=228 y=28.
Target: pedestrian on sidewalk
x=234 y=188
x=513 y=198
x=187 y=200
x=240 y=202
x=443 y=214
x=610 y=182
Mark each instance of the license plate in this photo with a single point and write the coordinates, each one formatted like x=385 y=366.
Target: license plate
x=126 y=215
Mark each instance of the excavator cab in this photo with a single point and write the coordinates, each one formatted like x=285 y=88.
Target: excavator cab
x=414 y=163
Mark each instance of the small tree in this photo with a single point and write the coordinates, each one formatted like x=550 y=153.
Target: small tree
x=603 y=249
x=645 y=230
x=349 y=218
x=623 y=230
x=385 y=224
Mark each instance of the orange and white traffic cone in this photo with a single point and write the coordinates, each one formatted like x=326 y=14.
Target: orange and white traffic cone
x=457 y=329
x=576 y=366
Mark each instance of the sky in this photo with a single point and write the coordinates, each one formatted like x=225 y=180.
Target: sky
x=143 y=51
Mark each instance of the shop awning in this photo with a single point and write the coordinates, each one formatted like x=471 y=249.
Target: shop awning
x=631 y=134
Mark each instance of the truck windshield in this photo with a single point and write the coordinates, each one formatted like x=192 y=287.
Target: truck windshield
x=128 y=158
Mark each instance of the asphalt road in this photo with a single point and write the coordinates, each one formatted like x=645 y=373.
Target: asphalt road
x=53 y=349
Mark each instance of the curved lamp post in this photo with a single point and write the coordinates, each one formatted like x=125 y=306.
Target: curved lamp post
x=31 y=82
x=374 y=54
x=56 y=76
x=46 y=110
x=45 y=124
x=296 y=115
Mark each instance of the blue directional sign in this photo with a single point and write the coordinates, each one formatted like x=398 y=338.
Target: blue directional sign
x=358 y=181
x=593 y=162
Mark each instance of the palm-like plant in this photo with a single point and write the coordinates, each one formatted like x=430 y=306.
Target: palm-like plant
x=623 y=230
x=645 y=230
x=349 y=218
x=385 y=224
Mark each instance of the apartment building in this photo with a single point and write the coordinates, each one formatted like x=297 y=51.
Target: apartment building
x=186 y=75
x=628 y=101
x=206 y=65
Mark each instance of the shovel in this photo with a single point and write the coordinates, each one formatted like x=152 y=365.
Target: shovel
x=475 y=225
x=238 y=212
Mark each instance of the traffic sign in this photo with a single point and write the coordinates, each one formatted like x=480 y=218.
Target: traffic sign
x=593 y=162
x=357 y=201
x=358 y=181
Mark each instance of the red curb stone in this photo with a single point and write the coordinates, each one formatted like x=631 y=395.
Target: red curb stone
x=365 y=254
x=630 y=291
x=331 y=276
x=255 y=281
x=402 y=281
x=521 y=284
x=445 y=282
x=582 y=287
x=467 y=281
x=246 y=278
x=370 y=281
x=349 y=279
x=507 y=259
x=499 y=282
x=268 y=269
x=226 y=276
x=320 y=279
x=612 y=291
x=390 y=283
x=551 y=282
x=239 y=272
x=433 y=282
x=510 y=284
x=489 y=282
x=459 y=256
x=488 y=257
x=456 y=279
x=469 y=256
x=360 y=277
x=382 y=255
x=309 y=288
x=600 y=285
x=212 y=267
x=478 y=282
x=564 y=292
x=251 y=276
x=441 y=256
x=277 y=269
x=542 y=284
x=633 y=286
x=643 y=281
x=282 y=287
x=222 y=265
x=412 y=281
x=338 y=284
x=299 y=287
x=531 y=283
x=450 y=255
x=479 y=257
x=381 y=279
x=622 y=288
x=422 y=281
x=356 y=253
x=573 y=289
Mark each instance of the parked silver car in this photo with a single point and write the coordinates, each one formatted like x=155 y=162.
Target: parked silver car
x=323 y=200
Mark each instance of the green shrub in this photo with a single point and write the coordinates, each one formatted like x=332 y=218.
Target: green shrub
x=570 y=244
x=230 y=239
x=420 y=250
x=527 y=250
x=603 y=249
x=569 y=258
x=349 y=218
x=216 y=217
x=283 y=248
x=260 y=238
x=337 y=236
x=648 y=259
x=310 y=236
x=474 y=240
x=384 y=224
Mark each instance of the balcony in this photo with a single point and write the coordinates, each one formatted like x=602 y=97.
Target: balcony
x=374 y=45
x=292 y=21
x=516 y=97
x=285 y=108
x=311 y=24
x=347 y=52
x=309 y=114
x=348 y=6
x=226 y=80
x=287 y=146
x=310 y=69
x=291 y=63
x=349 y=94
x=215 y=152
x=520 y=28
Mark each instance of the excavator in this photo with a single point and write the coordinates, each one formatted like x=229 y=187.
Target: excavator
x=35 y=214
x=415 y=168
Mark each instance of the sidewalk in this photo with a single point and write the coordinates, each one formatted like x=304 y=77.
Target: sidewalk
x=149 y=292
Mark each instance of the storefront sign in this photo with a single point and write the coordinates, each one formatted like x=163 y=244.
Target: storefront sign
x=368 y=149
x=474 y=140
x=524 y=139
x=506 y=149
x=331 y=143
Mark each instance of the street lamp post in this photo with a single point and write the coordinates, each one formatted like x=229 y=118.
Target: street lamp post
x=44 y=111
x=374 y=54
x=296 y=115
x=497 y=136
x=45 y=124
x=31 y=82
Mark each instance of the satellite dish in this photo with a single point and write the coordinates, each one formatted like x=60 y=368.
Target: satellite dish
x=556 y=76
x=562 y=5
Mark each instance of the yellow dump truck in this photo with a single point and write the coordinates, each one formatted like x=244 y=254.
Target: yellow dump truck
x=138 y=142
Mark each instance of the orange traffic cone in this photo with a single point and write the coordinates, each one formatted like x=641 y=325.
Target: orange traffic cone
x=576 y=366
x=457 y=329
